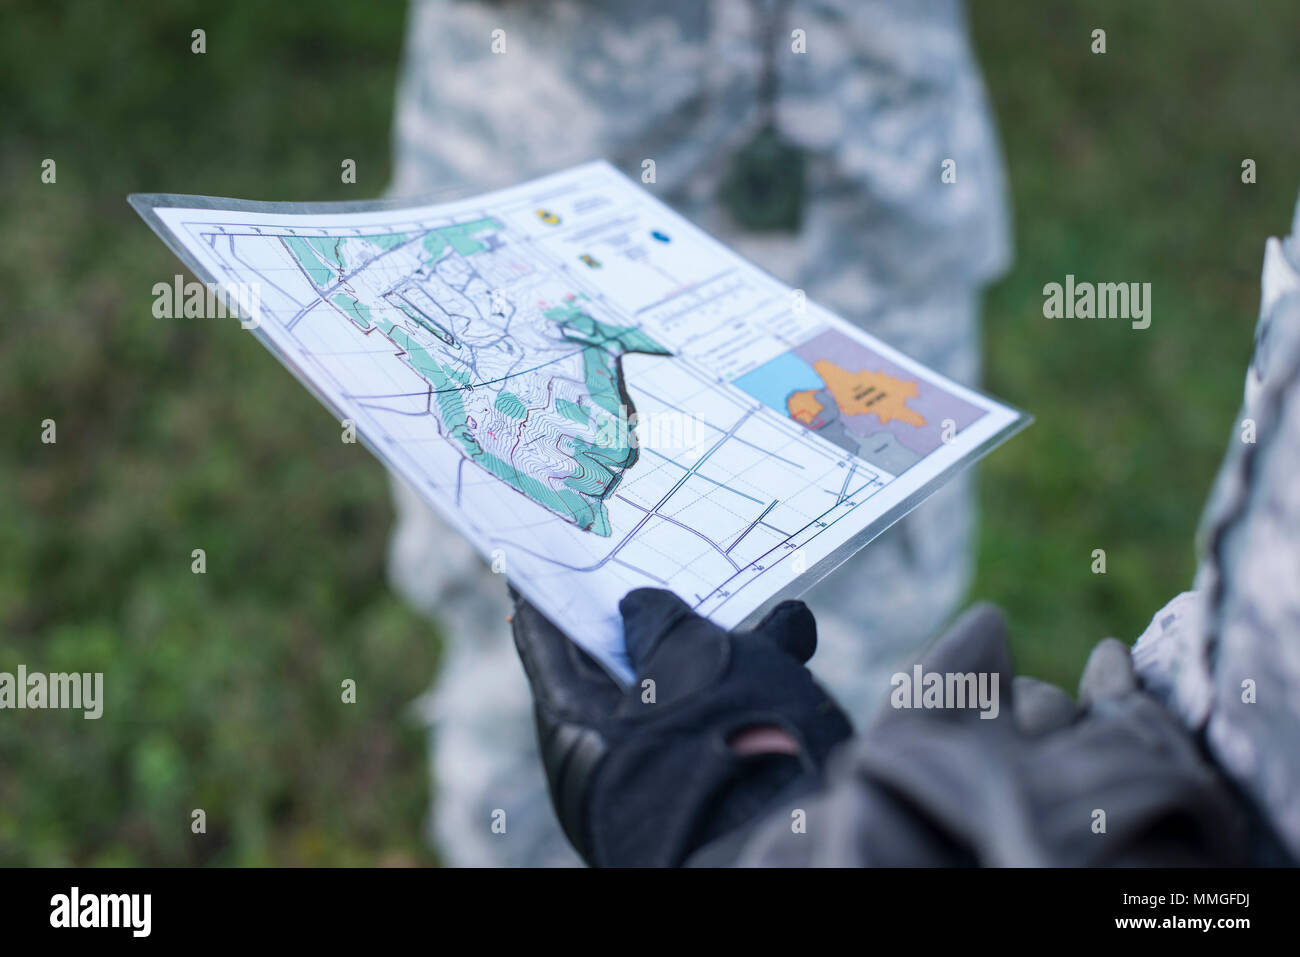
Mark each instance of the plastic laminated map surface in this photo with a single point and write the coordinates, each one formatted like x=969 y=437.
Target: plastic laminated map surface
x=594 y=392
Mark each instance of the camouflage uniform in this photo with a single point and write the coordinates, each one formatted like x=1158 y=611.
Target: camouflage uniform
x=886 y=92
x=1226 y=655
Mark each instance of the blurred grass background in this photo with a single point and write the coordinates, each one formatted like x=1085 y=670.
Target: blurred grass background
x=175 y=436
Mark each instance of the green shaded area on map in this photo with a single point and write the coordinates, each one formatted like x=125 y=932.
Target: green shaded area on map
x=327 y=248
x=601 y=467
x=508 y=403
x=387 y=241
x=598 y=466
x=358 y=312
x=463 y=236
x=317 y=272
x=428 y=325
x=326 y=259
x=572 y=411
x=602 y=344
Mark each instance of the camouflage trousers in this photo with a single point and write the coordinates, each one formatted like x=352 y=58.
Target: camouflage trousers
x=887 y=94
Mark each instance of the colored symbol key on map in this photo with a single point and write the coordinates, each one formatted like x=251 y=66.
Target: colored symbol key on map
x=548 y=217
x=590 y=261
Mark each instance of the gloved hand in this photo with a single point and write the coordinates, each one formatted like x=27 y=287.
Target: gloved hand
x=716 y=726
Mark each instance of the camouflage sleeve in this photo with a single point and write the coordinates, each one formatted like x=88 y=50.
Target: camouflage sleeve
x=1250 y=574
x=1226 y=656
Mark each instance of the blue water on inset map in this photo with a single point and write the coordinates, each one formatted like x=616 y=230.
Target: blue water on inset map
x=772 y=382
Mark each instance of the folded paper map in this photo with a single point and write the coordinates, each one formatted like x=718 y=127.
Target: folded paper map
x=594 y=392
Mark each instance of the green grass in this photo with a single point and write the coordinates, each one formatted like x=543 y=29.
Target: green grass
x=223 y=689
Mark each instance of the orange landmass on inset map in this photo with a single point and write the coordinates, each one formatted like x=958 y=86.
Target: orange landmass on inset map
x=804 y=406
x=857 y=393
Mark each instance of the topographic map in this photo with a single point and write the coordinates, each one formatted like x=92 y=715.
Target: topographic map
x=597 y=394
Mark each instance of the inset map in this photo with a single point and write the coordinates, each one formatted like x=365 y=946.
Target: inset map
x=856 y=398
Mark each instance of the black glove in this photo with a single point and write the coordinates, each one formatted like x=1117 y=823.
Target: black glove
x=644 y=775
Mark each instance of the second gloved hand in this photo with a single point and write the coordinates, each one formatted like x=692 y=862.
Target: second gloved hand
x=716 y=726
